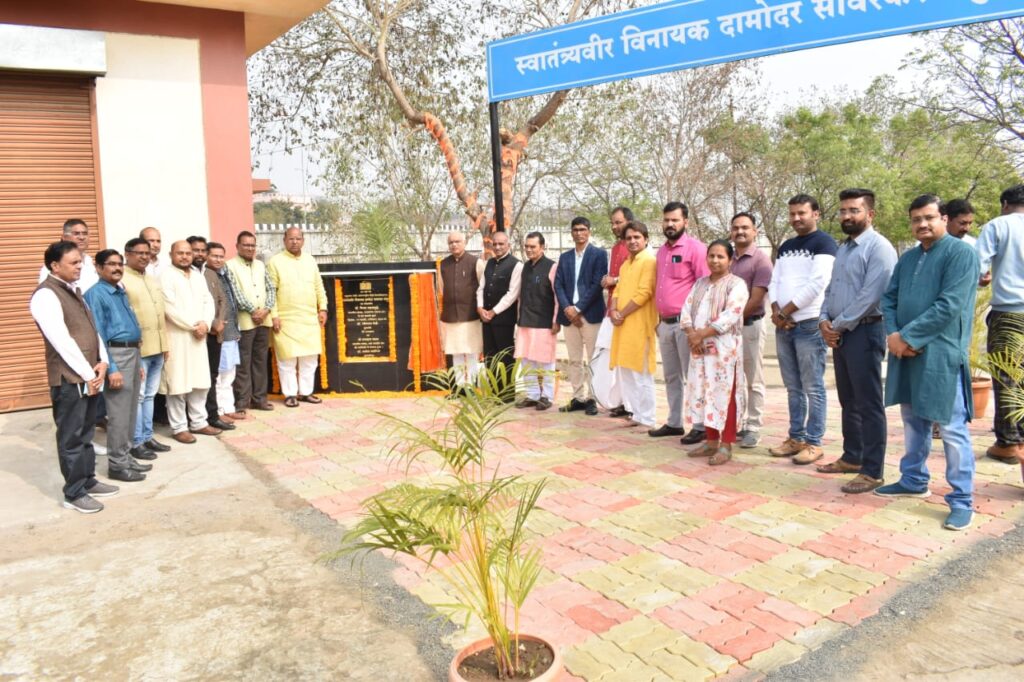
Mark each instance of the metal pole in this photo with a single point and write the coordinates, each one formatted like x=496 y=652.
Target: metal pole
x=499 y=203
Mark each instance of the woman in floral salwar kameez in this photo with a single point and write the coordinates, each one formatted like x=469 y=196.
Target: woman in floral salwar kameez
x=712 y=318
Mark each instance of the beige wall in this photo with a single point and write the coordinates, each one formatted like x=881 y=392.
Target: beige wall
x=151 y=146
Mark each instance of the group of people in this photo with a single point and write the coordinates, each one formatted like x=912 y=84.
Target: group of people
x=703 y=307
x=121 y=330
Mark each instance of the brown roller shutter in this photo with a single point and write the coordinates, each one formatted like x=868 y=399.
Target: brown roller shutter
x=48 y=173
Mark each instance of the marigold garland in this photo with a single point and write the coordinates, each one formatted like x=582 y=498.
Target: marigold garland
x=415 y=360
x=323 y=357
x=339 y=316
x=440 y=291
x=392 y=350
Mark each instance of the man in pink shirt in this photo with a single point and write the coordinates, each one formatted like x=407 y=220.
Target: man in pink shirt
x=682 y=260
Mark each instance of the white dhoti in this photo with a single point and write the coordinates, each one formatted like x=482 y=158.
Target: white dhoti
x=464 y=341
x=607 y=381
x=638 y=394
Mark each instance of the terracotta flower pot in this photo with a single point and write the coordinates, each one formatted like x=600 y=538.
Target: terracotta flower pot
x=549 y=675
x=980 y=388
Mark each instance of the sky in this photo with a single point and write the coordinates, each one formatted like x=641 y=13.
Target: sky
x=791 y=79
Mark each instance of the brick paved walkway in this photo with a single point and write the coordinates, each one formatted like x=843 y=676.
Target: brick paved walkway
x=660 y=567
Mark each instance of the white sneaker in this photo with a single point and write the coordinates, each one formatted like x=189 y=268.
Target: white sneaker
x=100 y=449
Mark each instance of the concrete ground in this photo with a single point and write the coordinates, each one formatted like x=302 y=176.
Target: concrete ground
x=203 y=571
x=657 y=567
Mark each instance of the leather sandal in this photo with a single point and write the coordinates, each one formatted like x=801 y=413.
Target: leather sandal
x=705 y=450
x=721 y=456
x=291 y=401
x=839 y=466
x=862 y=484
x=310 y=399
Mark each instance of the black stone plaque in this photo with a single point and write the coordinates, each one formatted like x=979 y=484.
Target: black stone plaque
x=368 y=319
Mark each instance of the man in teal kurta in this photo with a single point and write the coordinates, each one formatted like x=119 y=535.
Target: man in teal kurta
x=928 y=309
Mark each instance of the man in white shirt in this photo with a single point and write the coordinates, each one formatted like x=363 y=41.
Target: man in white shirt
x=75 y=230
x=76 y=366
x=157 y=262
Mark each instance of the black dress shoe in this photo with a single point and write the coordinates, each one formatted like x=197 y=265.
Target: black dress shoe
x=693 y=437
x=591 y=408
x=573 y=406
x=139 y=466
x=222 y=425
x=665 y=430
x=126 y=475
x=156 y=446
x=619 y=411
x=142 y=452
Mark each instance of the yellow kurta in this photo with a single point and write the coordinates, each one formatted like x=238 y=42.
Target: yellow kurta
x=187 y=301
x=147 y=302
x=633 y=344
x=300 y=296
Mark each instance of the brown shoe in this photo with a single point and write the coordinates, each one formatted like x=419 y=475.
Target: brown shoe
x=838 y=467
x=811 y=453
x=226 y=419
x=1008 y=454
x=207 y=431
x=862 y=484
x=237 y=416
x=789 y=447
x=184 y=437
x=265 y=406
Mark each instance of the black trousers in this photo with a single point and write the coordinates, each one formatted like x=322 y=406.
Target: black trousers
x=213 y=353
x=1007 y=433
x=858 y=367
x=251 y=377
x=500 y=339
x=75 y=417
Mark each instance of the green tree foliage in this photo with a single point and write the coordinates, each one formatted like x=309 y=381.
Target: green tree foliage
x=277 y=212
x=380 y=234
x=894 y=148
x=980 y=69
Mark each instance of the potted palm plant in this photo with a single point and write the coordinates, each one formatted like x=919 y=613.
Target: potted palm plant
x=471 y=516
x=1005 y=365
x=981 y=379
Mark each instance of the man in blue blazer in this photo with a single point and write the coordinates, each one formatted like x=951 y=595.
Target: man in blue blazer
x=581 y=308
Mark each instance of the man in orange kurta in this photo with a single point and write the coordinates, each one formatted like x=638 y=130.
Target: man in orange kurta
x=636 y=319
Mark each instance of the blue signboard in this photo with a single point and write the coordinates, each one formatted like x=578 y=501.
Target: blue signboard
x=685 y=33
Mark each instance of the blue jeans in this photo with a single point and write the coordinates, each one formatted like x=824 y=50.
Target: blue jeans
x=956 y=442
x=801 y=353
x=151 y=367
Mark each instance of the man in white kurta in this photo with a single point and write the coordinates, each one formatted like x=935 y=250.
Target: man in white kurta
x=297 y=318
x=189 y=309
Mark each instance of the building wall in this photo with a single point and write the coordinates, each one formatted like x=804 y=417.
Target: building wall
x=224 y=189
x=149 y=111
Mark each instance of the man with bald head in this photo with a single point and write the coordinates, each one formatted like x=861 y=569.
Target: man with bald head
x=496 y=304
x=300 y=313
x=189 y=309
x=157 y=263
x=461 y=334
